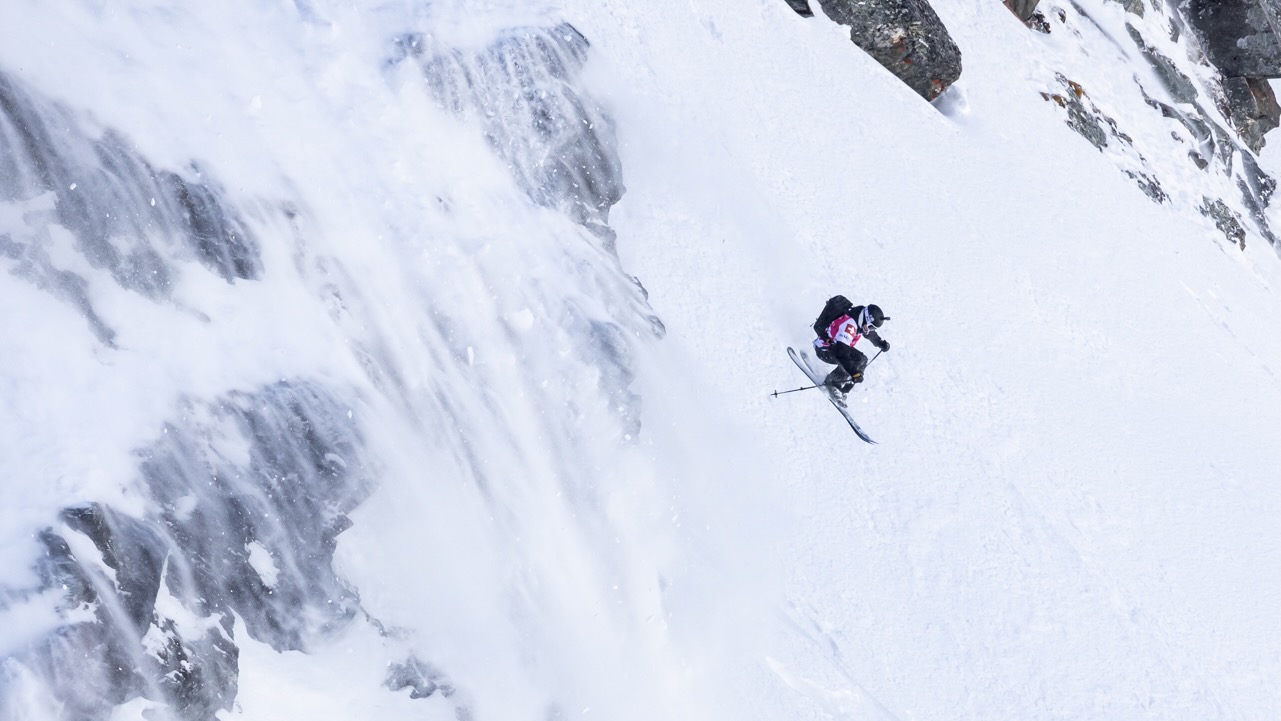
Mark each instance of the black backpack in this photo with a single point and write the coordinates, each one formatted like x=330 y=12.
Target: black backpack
x=836 y=307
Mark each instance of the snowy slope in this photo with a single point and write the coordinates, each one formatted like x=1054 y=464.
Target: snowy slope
x=1074 y=510
x=568 y=499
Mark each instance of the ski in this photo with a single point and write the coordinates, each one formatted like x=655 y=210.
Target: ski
x=802 y=361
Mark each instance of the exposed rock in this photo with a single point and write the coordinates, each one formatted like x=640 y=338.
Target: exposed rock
x=524 y=91
x=1134 y=7
x=802 y=7
x=1226 y=220
x=1099 y=129
x=136 y=222
x=905 y=36
x=151 y=602
x=198 y=674
x=1240 y=37
x=1201 y=138
x=1256 y=188
x=1174 y=80
x=421 y=679
x=1024 y=9
x=106 y=191
x=1150 y=186
x=1208 y=138
x=1081 y=118
x=1252 y=106
x=289 y=495
x=141 y=651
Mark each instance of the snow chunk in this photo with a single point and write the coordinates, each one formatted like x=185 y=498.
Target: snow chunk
x=260 y=559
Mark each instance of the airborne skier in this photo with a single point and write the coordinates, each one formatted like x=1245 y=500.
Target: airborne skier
x=839 y=327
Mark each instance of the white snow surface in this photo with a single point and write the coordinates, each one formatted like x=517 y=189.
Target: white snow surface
x=1073 y=511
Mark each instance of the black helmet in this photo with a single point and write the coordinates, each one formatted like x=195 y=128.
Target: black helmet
x=872 y=317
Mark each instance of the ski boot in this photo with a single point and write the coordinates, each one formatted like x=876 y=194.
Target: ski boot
x=843 y=384
x=838 y=383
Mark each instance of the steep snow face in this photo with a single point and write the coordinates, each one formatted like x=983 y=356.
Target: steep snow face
x=324 y=346
x=332 y=389
x=1072 y=508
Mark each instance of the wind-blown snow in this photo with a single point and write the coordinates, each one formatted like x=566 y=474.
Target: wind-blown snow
x=583 y=501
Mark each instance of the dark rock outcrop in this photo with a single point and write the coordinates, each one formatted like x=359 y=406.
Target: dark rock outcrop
x=1253 y=108
x=1024 y=9
x=1086 y=120
x=1178 y=84
x=1242 y=39
x=802 y=7
x=105 y=191
x=905 y=36
x=524 y=91
x=137 y=650
x=247 y=496
x=136 y=222
x=290 y=500
x=1225 y=219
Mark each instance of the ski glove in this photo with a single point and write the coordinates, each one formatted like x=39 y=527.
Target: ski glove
x=884 y=346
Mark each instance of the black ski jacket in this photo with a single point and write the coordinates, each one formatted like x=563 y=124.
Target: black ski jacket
x=836 y=307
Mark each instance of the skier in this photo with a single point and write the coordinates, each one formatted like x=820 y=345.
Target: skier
x=839 y=328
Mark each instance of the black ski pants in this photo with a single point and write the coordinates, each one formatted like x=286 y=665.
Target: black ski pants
x=851 y=360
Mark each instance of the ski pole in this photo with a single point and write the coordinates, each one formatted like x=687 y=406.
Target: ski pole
x=820 y=385
x=776 y=394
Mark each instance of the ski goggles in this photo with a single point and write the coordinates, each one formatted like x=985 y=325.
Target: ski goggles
x=866 y=324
